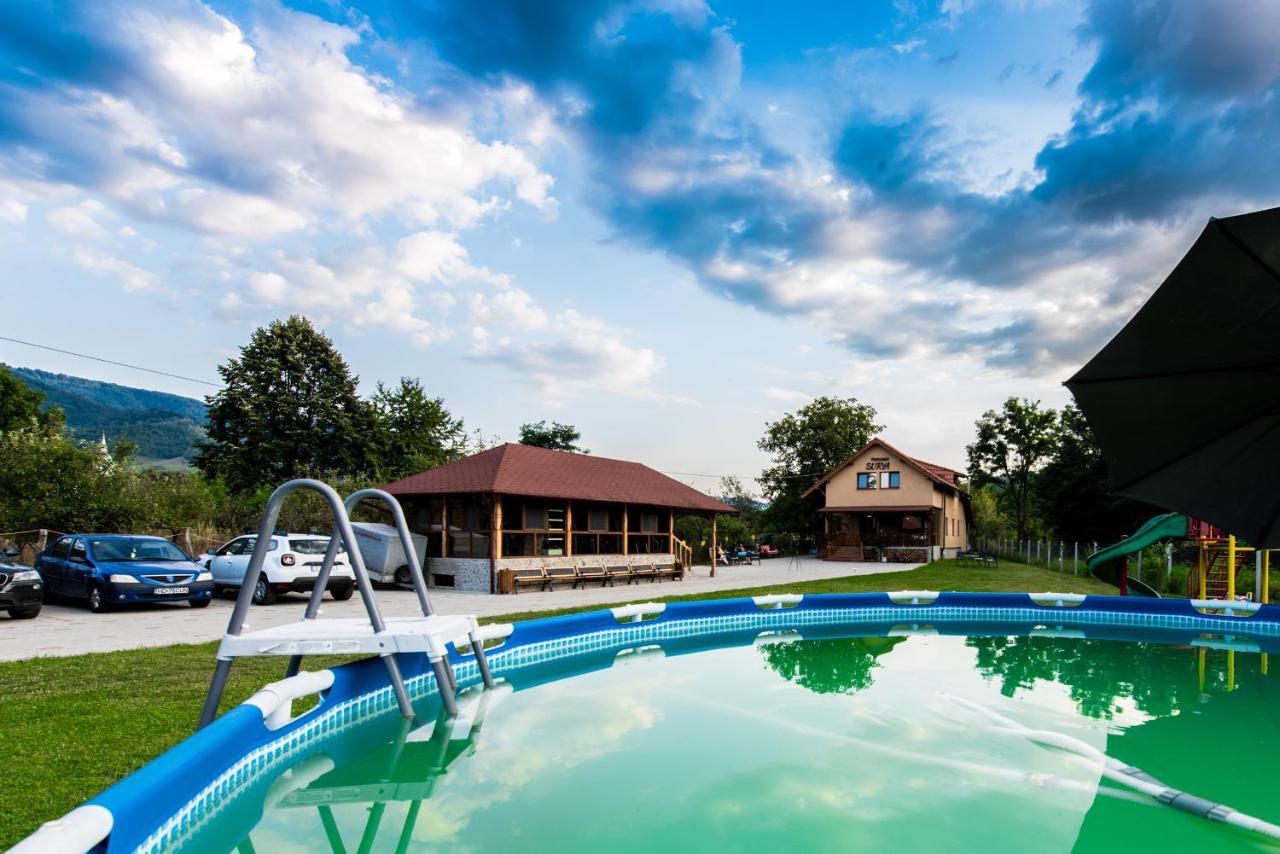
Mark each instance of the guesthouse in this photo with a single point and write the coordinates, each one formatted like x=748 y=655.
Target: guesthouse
x=517 y=507
x=880 y=504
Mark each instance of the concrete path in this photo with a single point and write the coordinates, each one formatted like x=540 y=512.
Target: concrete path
x=71 y=629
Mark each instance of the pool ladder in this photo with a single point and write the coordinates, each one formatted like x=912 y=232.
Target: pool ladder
x=430 y=633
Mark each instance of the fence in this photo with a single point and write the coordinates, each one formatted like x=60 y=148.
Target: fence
x=31 y=543
x=1153 y=566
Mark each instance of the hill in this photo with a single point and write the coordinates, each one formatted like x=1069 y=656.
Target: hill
x=164 y=426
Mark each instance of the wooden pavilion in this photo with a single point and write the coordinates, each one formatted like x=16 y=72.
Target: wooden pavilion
x=517 y=506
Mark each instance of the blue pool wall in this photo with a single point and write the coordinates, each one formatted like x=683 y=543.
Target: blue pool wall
x=238 y=748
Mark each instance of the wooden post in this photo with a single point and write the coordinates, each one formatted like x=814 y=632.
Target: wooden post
x=186 y=540
x=444 y=526
x=568 y=529
x=713 y=545
x=626 y=524
x=497 y=527
x=495 y=541
x=671 y=532
x=42 y=540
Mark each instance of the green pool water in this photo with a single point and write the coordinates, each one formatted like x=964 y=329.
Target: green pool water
x=815 y=745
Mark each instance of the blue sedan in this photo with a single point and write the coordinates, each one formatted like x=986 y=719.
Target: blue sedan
x=116 y=569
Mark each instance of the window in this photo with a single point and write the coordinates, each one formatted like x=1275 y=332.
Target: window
x=597 y=519
x=879 y=480
x=597 y=544
x=77 y=551
x=62 y=547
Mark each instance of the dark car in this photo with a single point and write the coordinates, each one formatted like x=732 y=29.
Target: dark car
x=118 y=569
x=21 y=588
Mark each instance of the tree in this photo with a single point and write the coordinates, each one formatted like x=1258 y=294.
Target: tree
x=805 y=445
x=556 y=436
x=1011 y=446
x=412 y=431
x=20 y=405
x=288 y=409
x=1072 y=488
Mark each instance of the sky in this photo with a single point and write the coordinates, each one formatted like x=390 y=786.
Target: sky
x=667 y=222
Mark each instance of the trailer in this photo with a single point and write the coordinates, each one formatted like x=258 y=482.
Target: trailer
x=383 y=554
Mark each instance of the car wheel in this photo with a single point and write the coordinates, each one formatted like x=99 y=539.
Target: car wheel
x=262 y=593
x=343 y=593
x=98 y=601
x=403 y=578
x=199 y=603
x=25 y=613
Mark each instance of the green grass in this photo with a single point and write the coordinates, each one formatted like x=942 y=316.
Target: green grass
x=75 y=725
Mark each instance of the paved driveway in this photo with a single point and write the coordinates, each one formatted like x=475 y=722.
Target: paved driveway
x=71 y=630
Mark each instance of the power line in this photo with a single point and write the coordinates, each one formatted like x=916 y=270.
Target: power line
x=110 y=362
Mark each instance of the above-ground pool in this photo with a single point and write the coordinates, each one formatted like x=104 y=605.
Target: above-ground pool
x=969 y=722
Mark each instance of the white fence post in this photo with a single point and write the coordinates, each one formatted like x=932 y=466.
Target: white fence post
x=1075 y=558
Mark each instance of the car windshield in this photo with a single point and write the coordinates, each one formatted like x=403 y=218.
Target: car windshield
x=138 y=549
x=309 y=547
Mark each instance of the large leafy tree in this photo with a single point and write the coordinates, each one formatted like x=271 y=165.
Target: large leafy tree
x=804 y=446
x=556 y=436
x=1012 y=445
x=1071 y=490
x=412 y=430
x=288 y=409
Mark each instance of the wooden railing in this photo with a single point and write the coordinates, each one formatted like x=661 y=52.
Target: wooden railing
x=683 y=552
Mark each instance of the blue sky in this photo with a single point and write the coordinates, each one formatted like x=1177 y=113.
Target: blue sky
x=666 y=222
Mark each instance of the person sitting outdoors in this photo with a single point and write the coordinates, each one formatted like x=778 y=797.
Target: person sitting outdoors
x=721 y=557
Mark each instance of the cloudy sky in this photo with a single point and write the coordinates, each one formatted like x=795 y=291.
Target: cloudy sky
x=666 y=222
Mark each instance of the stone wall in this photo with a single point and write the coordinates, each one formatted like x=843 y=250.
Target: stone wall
x=469 y=574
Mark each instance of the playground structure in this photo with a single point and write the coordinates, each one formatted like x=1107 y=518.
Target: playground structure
x=1219 y=558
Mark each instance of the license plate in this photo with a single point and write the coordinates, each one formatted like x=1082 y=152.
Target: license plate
x=170 y=591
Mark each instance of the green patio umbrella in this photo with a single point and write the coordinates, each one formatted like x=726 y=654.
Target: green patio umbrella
x=1185 y=399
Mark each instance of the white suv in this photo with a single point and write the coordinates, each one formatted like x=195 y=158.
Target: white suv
x=293 y=561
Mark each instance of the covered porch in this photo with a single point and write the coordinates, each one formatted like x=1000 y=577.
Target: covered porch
x=900 y=534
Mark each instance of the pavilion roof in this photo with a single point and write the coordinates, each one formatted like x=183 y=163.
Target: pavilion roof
x=512 y=469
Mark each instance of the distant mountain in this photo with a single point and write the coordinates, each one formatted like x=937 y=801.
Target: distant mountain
x=164 y=426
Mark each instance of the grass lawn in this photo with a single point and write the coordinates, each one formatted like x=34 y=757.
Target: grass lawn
x=76 y=725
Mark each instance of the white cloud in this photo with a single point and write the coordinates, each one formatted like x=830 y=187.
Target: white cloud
x=79 y=220
x=577 y=354
x=132 y=278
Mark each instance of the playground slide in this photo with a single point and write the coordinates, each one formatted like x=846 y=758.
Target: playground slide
x=1108 y=564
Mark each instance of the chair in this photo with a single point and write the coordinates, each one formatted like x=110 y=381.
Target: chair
x=561 y=574
x=592 y=573
x=529 y=577
x=645 y=570
x=620 y=571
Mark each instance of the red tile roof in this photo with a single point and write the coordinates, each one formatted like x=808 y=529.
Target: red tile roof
x=541 y=473
x=939 y=474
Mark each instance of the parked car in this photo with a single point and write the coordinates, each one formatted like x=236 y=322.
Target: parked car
x=117 y=569
x=21 y=588
x=291 y=565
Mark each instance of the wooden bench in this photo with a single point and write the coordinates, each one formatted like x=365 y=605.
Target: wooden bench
x=613 y=574
x=530 y=577
x=561 y=574
x=593 y=573
x=645 y=570
x=673 y=571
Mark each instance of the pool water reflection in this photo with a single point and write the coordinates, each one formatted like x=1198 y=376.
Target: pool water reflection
x=834 y=744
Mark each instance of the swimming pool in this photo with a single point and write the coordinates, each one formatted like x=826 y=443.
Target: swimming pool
x=831 y=723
